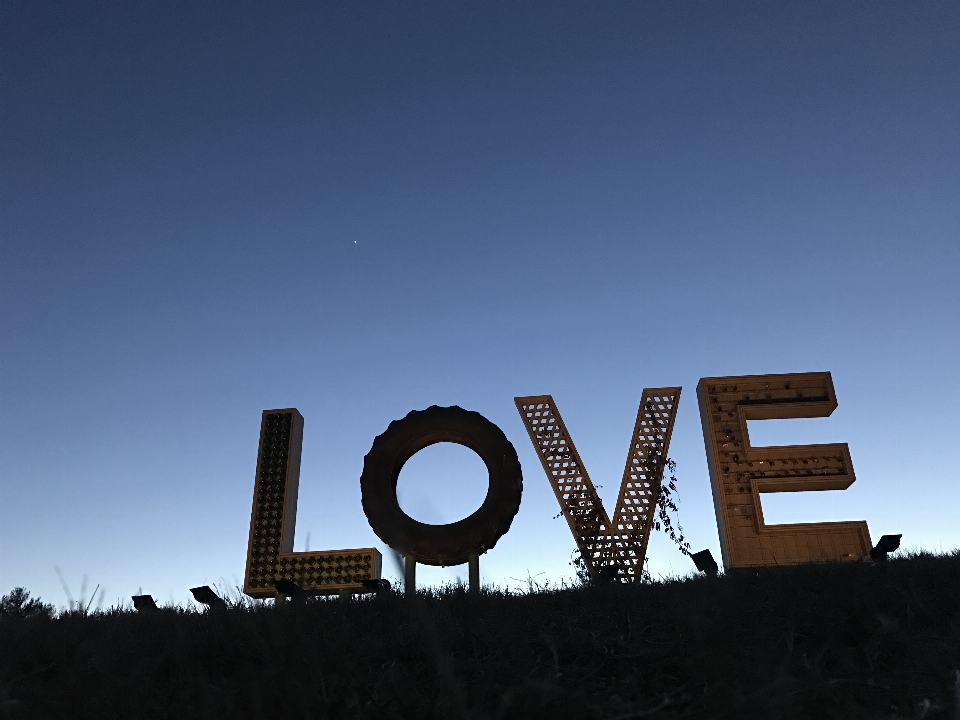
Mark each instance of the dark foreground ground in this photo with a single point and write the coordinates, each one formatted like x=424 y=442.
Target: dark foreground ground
x=847 y=641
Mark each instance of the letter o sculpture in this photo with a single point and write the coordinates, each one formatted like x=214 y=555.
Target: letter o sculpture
x=454 y=543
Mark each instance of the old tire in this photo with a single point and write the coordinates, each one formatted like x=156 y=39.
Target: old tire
x=450 y=544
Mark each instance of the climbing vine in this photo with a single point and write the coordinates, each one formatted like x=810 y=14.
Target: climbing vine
x=667 y=505
x=666 y=519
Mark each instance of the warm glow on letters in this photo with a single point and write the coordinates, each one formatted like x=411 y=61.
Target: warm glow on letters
x=623 y=542
x=270 y=555
x=739 y=472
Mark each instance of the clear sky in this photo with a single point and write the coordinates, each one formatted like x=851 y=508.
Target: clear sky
x=360 y=209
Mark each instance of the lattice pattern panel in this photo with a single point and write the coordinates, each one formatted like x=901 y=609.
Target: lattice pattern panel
x=568 y=477
x=269 y=552
x=643 y=475
x=740 y=472
x=624 y=542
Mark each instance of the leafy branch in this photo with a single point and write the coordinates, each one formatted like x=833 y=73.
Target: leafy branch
x=667 y=504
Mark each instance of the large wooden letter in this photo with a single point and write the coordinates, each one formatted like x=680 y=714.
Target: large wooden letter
x=621 y=544
x=270 y=555
x=739 y=473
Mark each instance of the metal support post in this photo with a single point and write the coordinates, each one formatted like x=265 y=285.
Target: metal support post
x=409 y=577
x=473 y=570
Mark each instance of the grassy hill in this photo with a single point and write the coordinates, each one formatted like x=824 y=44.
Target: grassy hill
x=819 y=641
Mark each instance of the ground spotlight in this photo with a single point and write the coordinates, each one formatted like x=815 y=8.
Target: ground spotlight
x=377 y=585
x=288 y=589
x=887 y=544
x=144 y=603
x=705 y=562
x=204 y=594
x=608 y=573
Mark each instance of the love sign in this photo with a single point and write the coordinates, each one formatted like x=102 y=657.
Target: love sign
x=739 y=473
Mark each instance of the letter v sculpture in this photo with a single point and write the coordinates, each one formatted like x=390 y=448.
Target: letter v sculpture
x=614 y=550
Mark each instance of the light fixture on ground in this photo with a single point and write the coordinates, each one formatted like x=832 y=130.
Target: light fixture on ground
x=287 y=588
x=705 y=562
x=378 y=585
x=886 y=545
x=144 y=603
x=205 y=595
x=608 y=573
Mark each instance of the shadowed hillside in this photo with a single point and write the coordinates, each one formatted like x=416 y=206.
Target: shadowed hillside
x=832 y=641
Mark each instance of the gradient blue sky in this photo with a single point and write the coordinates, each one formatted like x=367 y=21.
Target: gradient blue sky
x=360 y=209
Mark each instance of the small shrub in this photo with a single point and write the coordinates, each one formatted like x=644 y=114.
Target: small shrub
x=17 y=604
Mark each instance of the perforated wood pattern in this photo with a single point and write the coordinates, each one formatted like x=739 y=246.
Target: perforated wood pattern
x=270 y=553
x=643 y=474
x=739 y=472
x=623 y=542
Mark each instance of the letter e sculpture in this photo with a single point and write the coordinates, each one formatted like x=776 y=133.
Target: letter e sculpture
x=739 y=472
